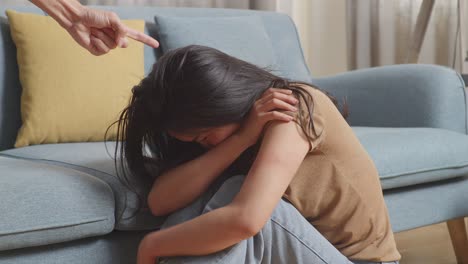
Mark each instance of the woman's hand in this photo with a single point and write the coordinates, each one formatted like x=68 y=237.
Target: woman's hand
x=99 y=31
x=145 y=249
x=266 y=109
x=96 y=30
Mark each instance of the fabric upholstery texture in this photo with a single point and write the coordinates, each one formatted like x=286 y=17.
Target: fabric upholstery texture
x=409 y=156
x=118 y=247
x=408 y=95
x=69 y=95
x=243 y=37
x=43 y=204
x=94 y=159
x=428 y=203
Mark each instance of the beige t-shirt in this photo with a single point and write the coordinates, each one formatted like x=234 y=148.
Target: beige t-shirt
x=337 y=188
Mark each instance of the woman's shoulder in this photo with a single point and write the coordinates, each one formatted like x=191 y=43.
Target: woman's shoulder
x=309 y=87
x=319 y=97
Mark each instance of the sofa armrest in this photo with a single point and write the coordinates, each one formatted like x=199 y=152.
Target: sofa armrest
x=405 y=95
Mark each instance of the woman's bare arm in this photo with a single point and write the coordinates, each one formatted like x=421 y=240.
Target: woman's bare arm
x=181 y=185
x=282 y=151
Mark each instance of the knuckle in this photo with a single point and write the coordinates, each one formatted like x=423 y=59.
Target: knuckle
x=113 y=15
x=93 y=51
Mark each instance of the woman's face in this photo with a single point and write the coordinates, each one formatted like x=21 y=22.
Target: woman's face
x=207 y=137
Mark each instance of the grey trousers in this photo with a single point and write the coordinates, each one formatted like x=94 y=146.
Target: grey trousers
x=286 y=238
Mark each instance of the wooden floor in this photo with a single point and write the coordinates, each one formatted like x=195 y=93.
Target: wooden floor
x=426 y=245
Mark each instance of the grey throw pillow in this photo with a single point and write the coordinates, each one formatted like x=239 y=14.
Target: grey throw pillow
x=243 y=37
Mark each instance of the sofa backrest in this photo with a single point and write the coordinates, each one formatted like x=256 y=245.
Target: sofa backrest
x=279 y=27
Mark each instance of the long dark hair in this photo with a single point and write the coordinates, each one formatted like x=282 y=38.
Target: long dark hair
x=188 y=88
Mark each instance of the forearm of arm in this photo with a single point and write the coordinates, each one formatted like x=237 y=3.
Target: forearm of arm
x=63 y=11
x=193 y=177
x=205 y=234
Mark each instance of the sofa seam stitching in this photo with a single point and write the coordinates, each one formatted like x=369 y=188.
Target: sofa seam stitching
x=40 y=159
x=424 y=170
x=55 y=227
x=61 y=162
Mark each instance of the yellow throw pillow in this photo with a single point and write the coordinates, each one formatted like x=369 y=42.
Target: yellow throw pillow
x=68 y=94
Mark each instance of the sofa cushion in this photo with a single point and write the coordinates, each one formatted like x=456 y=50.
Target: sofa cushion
x=10 y=89
x=44 y=204
x=118 y=247
x=243 y=37
x=70 y=95
x=409 y=156
x=93 y=159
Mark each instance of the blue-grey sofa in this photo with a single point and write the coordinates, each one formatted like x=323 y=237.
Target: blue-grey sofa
x=61 y=203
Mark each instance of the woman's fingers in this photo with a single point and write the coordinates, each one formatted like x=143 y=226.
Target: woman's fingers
x=97 y=46
x=272 y=89
x=111 y=34
x=119 y=28
x=276 y=103
x=283 y=95
x=104 y=37
x=143 y=38
x=268 y=92
x=279 y=95
x=275 y=115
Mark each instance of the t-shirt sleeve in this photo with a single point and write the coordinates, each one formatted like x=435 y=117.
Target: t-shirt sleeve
x=317 y=131
x=319 y=108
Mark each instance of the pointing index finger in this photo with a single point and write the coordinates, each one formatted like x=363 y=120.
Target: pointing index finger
x=138 y=36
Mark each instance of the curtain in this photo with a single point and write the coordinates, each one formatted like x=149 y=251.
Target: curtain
x=379 y=32
x=321 y=26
